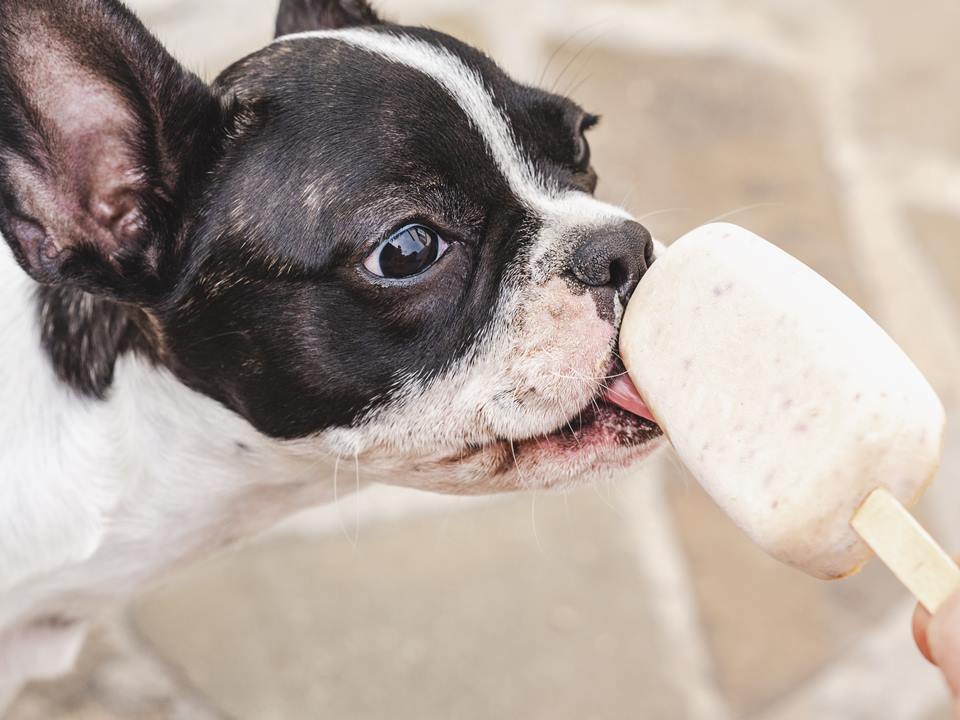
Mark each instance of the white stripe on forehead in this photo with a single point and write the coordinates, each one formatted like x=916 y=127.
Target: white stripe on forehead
x=461 y=82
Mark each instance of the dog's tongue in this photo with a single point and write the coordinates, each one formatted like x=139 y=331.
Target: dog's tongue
x=623 y=393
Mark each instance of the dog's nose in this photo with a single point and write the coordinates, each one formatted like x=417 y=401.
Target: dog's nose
x=614 y=257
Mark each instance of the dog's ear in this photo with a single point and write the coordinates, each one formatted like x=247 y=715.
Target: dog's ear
x=306 y=15
x=100 y=133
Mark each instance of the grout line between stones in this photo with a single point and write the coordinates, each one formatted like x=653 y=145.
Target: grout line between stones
x=128 y=633
x=664 y=566
x=852 y=686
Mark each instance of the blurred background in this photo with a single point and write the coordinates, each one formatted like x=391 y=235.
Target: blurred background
x=831 y=127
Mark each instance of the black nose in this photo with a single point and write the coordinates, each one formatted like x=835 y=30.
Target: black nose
x=614 y=257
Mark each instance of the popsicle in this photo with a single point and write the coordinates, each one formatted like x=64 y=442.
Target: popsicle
x=795 y=411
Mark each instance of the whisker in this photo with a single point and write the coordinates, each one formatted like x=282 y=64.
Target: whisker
x=596 y=405
x=655 y=213
x=356 y=503
x=607 y=501
x=587 y=377
x=569 y=422
x=586 y=67
x=516 y=465
x=582 y=376
x=573 y=433
x=628 y=197
x=563 y=46
x=580 y=83
x=745 y=208
x=336 y=500
x=533 y=520
x=587 y=46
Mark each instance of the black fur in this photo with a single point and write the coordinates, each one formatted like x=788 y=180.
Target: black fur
x=306 y=15
x=85 y=334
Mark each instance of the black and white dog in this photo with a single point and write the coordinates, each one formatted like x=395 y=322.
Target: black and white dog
x=361 y=243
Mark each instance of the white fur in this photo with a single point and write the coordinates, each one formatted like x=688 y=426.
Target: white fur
x=100 y=497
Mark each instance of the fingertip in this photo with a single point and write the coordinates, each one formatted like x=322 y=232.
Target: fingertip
x=921 y=622
x=943 y=634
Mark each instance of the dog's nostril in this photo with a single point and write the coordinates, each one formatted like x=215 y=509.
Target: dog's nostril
x=619 y=275
x=613 y=257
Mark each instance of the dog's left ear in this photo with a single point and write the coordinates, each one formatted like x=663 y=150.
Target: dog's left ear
x=101 y=133
x=298 y=16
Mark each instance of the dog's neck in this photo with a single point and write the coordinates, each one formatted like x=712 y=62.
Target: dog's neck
x=148 y=459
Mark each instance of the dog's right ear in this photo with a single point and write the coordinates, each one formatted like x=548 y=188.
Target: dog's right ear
x=101 y=135
x=298 y=16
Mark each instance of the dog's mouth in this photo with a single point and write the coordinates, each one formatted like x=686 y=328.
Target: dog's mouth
x=616 y=416
x=613 y=430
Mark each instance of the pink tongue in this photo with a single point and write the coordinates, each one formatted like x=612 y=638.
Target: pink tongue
x=623 y=393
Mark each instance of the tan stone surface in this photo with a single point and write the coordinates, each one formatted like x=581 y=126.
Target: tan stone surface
x=117 y=678
x=766 y=624
x=466 y=617
x=942 y=713
x=939 y=235
x=687 y=140
x=912 y=92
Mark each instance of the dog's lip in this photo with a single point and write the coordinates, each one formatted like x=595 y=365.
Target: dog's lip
x=600 y=422
x=617 y=410
x=617 y=406
x=617 y=400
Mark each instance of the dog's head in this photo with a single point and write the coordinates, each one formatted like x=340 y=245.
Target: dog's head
x=364 y=238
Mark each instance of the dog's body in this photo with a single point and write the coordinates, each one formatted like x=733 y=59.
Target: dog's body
x=363 y=246
x=111 y=494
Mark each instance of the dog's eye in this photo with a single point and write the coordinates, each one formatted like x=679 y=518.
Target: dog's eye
x=406 y=253
x=581 y=155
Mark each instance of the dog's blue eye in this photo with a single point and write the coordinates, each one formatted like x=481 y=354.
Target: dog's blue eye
x=406 y=253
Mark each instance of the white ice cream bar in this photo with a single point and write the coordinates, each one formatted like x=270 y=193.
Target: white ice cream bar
x=786 y=401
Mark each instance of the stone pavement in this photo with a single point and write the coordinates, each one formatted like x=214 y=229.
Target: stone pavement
x=833 y=128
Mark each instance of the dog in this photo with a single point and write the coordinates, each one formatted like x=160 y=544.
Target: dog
x=363 y=243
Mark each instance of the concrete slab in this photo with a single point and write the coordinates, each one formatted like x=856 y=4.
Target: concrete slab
x=939 y=235
x=910 y=95
x=523 y=610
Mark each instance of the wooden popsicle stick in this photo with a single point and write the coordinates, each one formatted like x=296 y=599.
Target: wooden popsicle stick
x=906 y=548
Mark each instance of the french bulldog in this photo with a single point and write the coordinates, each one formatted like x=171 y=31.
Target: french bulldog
x=363 y=244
